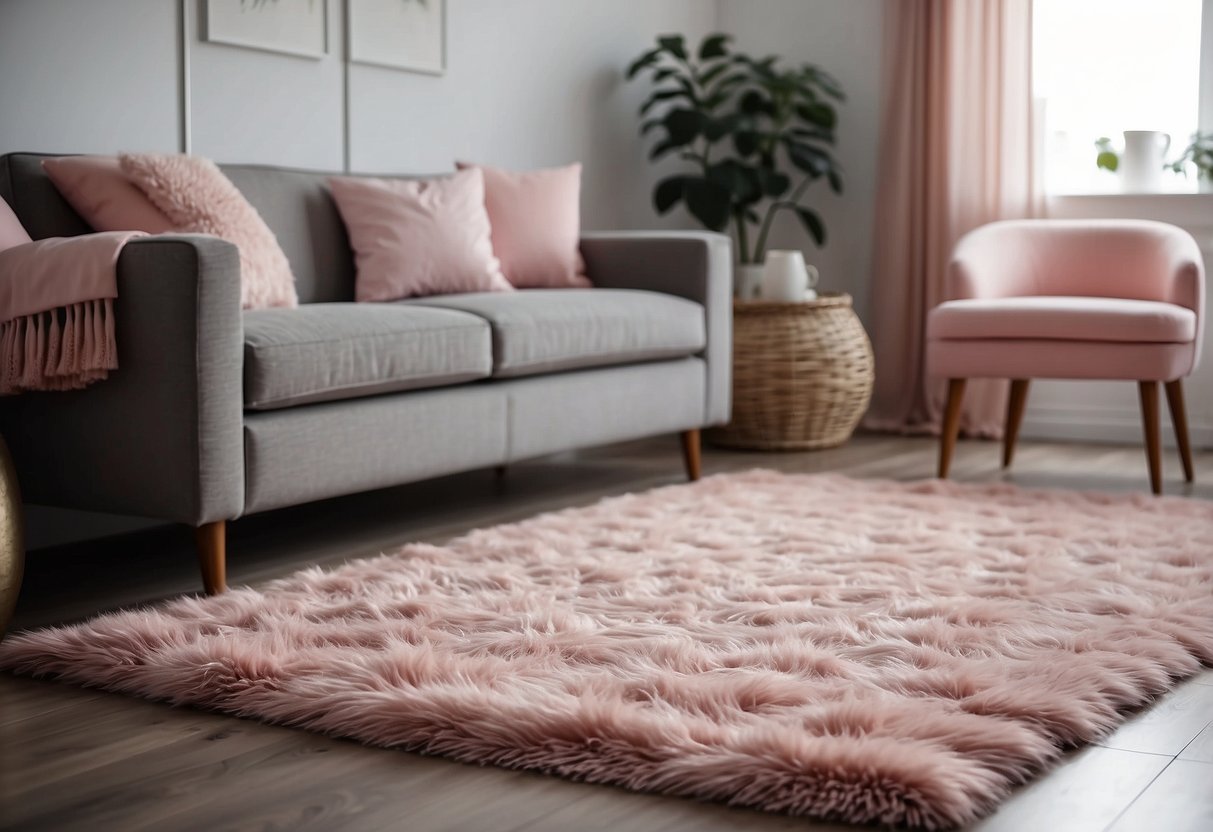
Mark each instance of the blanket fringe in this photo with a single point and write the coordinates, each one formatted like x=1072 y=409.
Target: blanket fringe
x=61 y=349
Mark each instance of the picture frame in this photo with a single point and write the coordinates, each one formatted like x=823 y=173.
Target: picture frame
x=288 y=27
x=409 y=35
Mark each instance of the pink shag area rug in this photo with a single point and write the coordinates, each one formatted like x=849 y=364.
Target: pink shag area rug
x=867 y=651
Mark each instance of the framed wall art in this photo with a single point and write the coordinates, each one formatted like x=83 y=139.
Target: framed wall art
x=292 y=27
x=400 y=34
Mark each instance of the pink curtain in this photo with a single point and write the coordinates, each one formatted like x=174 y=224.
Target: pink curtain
x=957 y=151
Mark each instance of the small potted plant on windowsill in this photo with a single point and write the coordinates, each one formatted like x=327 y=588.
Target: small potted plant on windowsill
x=754 y=133
x=1198 y=155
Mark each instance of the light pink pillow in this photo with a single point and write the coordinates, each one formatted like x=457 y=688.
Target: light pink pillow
x=419 y=237
x=102 y=194
x=198 y=199
x=12 y=232
x=536 y=217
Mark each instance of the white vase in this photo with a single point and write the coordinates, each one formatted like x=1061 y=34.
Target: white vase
x=787 y=279
x=1141 y=164
x=747 y=280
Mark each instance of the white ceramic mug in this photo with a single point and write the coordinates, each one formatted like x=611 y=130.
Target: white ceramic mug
x=786 y=277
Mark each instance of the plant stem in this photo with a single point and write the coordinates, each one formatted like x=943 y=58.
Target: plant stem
x=760 y=245
x=743 y=242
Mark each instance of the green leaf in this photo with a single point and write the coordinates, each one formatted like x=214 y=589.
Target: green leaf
x=820 y=114
x=649 y=125
x=746 y=142
x=773 y=183
x=708 y=202
x=666 y=73
x=643 y=62
x=809 y=159
x=728 y=83
x=714 y=46
x=674 y=44
x=835 y=181
x=712 y=73
x=662 y=148
x=815 y=134
x=668 y=193
x=825 y=81
x=812 y=223
x=683 y=125
x=1107 y=160
x=755 y=103
x=715 y=129
x=659 y=96
x=740 y=180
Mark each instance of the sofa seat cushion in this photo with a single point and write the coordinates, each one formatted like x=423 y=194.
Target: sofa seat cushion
x=547 y=330
x=325 y=351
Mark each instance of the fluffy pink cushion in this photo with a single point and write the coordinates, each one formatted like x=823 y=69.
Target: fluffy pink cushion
x=197 y=198
x=536 y=217
x=419 y=237
x=12 y=232
x=103 y=195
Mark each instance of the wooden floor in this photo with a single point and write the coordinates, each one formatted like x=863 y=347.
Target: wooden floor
x=78 y=759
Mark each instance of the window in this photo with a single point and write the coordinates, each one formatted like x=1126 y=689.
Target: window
x=1105 y=66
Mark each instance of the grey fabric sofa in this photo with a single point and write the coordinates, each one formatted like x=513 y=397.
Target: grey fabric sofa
x=215 y=413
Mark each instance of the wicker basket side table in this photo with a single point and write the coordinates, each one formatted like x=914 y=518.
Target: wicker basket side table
x=802 y=375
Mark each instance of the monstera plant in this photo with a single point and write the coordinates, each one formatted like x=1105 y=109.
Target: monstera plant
x=753 y=133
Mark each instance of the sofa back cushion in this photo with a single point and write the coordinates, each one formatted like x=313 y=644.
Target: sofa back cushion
x=296 y=205
x=299 y=209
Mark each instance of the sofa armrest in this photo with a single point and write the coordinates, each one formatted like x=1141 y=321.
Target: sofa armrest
x=693 y=265
x=162 y=437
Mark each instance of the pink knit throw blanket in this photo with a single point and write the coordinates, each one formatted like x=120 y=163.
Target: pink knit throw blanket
x=56 y=311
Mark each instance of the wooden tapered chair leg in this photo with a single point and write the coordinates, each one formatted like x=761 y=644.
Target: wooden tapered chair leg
x=1179 y=419
x=1148 y=391
x=951 y=425
x=690 y=453
x=1015 y=407
x=212 y=556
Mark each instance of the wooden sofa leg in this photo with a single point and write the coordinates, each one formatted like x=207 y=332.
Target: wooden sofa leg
x=690 y=453
x=1015 y=407
x=951 y=425
x=1179 y=419
x=1150 y=427
x=212 y=556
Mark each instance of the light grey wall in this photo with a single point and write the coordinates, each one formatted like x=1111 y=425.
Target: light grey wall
x=247 y=105
x=844 y=38
x=85 y=76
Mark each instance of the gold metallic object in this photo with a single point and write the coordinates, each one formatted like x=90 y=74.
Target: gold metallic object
x=12 y=538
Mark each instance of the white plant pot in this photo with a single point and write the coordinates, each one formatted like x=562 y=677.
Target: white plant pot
x=747 y=281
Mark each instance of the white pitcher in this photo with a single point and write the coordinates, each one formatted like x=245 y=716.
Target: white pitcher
x=786 y=277
x=1141 y=165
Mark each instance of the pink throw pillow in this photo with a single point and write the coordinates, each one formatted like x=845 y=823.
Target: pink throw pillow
x=536 y=218
x=197 y=198
x=103 y=195
x=12 y=232
x=419 y=237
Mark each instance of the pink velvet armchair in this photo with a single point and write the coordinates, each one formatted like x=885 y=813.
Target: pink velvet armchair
x=1071 y=299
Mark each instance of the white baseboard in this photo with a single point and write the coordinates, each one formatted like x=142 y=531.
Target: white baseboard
x=1078 y=424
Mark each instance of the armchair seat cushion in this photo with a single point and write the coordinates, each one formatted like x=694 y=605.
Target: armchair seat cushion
x=549 y=330
x=326 y=351
x=1064 y=319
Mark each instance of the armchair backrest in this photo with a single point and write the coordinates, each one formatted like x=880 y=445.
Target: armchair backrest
x=1129 y=259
